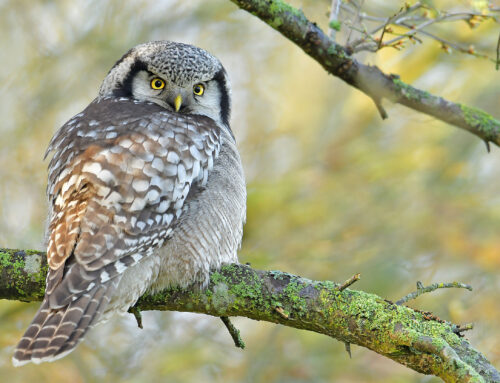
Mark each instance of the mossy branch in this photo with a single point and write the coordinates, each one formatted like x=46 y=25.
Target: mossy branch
x=353 y=317
x=338 y=61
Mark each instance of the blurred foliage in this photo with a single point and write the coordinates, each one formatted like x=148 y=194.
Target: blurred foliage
x=332 y=189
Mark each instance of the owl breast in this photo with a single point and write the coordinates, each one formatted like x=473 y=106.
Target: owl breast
x=206 y=236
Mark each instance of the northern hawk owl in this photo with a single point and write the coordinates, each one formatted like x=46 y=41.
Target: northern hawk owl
x=145 y=189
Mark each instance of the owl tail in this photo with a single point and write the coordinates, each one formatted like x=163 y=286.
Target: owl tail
x=54 y=333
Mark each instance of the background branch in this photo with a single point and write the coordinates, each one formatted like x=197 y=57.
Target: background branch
x=397 y=332
x=417 y=18
x=333 y=22
x=428 y=289
x=337 y=60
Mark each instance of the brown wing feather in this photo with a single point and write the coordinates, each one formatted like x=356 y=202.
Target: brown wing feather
x=65 y=225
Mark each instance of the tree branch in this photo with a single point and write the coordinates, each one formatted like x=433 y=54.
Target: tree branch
x=356 y=317
x=428 y=289
x=338 y=60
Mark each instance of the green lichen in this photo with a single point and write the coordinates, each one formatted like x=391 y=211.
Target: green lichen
x=221 y=298
x=280 y=275
x=410 y=92
x=479 y=119
x=217 y=277
x=22 y=274
x=326 y=285
x=325 y=298
x=292 y=293
x=276 y=22
x=335 y=50
x=281 y=7
x=241 y=285
x=280 y=10
x=335 y=24
x=30 y=252
x=4 y=258
x=32 y=264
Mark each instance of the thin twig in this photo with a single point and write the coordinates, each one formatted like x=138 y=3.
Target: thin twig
x=234 y=332
x=364 y=16
x=381 y=38
x=355 y=20
x=387 y=21
x=137 y=315
x=356 y=48
x=380 y=109
x=333 y=22
x=412 y=31
x=374 y=46
x=461 y=328
x=398 y=16
x=422 y=290
x=403 y=12
x=415 y=24
x=453 y=45
x=349 y=282
x=348 y=349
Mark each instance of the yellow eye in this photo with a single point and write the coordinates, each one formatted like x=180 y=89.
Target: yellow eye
x=157 y=83
x=198 y=89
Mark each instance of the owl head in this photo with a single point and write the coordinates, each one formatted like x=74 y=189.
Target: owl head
x=179 y=77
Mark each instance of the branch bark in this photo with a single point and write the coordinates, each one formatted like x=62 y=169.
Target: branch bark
x=397 y=332
x=338 y=61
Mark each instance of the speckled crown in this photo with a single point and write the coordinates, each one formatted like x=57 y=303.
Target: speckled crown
x=177 y=62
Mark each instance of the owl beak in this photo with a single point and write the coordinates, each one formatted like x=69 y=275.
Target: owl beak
x=178 y=102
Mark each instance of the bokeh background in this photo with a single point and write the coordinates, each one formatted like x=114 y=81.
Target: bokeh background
x=332 y=189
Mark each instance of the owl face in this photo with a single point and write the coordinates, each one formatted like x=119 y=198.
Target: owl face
x=179 y=77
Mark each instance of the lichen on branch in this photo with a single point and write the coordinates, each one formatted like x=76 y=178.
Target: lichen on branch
x=356 y=317
x=338 y=61
x=22 y=274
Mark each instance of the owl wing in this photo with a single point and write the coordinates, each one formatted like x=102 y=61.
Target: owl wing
x=117 y=193
x=118 y=180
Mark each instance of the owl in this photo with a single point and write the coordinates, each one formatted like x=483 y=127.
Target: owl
x=145 y=190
